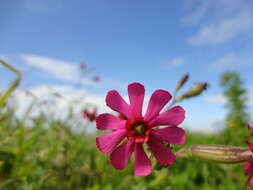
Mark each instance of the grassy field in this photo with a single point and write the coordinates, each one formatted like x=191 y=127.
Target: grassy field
x=55 y=157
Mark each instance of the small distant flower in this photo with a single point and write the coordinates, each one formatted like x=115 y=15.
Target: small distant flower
x=96 y=79
x=132 y=130
x=83 y=67
x=248 y=166
x=29 y=93
x=91 y=116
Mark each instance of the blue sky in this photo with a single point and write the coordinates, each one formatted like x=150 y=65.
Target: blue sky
x=152 y=42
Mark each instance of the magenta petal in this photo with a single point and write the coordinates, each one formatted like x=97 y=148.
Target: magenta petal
x=120 y=156
x=250 y=129
x=248 y=168
x=250 y=181
x=109 y=141
x=108 y=121
x=171 y=117
x=157 y=101
x=118 y=104
x=136 y=94
x=142 y=164
x=172 y=135
x=162 y=153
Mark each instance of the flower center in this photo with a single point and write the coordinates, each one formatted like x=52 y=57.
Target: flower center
x=137 y=131
x=139 y=128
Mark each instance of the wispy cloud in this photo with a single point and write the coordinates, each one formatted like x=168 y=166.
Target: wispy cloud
x=232 y=61
x=44 y=5
x=223 y=31
x=177 y=61
x=216 y=98
x=222 y=100
x=250 y=95
x=221 y=20
x=3 y=57
x=174 y=62
x=192 y=17
x=58 y=69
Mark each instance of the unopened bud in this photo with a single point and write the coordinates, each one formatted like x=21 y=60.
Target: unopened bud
x=195 y=90
x=182 y=81
x=217 y=153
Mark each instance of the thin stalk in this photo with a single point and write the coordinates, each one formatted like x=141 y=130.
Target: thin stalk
x=5 y=95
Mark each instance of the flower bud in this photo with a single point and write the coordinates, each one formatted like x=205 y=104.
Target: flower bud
x=217 y=153
x=195 y=90
x=182 y=81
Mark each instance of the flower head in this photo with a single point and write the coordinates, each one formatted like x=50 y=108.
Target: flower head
x=91 y=116
x=132 y=130
x=248 y=166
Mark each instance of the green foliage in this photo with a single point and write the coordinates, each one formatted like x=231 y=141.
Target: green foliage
x=56 y=157
x=237 y=115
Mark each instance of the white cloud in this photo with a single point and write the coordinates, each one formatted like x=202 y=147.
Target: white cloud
x=173 y=63
x=221 y=99
x=219 y=21
x=250 y=96
x=67 y=72
x=177 y=61
x=208 y=128
x=233 y=61
x=56 y=102
x=62 y=95
x=199 y=11
x=3 y=57
x=216 y=98
x=110 y=84
x=58 y=69
x=223 y=31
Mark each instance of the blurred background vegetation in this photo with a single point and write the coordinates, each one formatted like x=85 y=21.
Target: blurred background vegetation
x=49 y=155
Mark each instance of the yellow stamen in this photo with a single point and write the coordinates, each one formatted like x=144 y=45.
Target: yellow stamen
x=139 y=129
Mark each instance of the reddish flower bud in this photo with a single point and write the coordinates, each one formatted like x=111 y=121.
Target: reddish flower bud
x=91 y=116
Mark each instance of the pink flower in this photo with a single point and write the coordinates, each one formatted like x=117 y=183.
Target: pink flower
x=91 y=116
x=248 y=166
x=131 y=133
x=96 y=79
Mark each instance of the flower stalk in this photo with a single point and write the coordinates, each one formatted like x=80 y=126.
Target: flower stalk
x=217 y=153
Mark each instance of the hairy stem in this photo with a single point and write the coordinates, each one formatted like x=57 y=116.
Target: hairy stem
x=217 y=153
